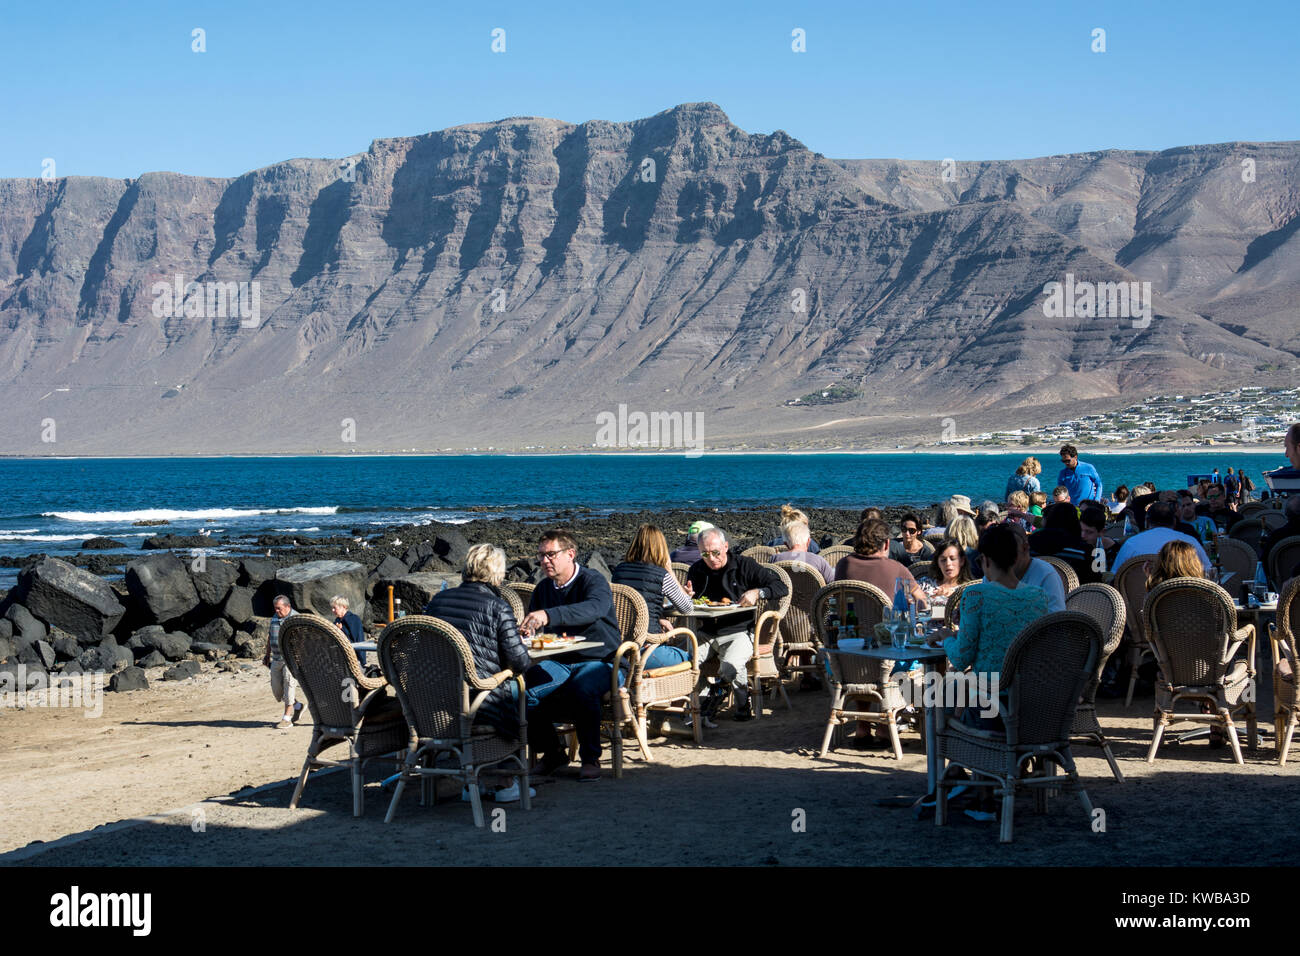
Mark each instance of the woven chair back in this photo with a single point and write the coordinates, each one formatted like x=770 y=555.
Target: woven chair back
x=1105 y=605
x=1282 y=560
x=632 y=613
x=760 y=553
x=1069 y=579
x=869 y=603
x=833 y=554
x=1131 y=583
x=680 y=571
x=1189 y=622
x=1043 y=675
x=1272 y=520
x=1252 y=509
x=805 y=581
x=1239 y=558
x=511 y=597
x=1249 y=531
x=952 y=608
x=780 y=605
x=1287 y=611
x=426 y=661
x=524 y=589
x=323 y=662
x=1115 y=530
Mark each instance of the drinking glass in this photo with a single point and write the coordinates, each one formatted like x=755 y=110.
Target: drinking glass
x=898 y=632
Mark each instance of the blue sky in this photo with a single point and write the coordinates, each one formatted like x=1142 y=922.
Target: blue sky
x=114 y=89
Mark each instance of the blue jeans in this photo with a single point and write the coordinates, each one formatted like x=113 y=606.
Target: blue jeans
x=575 y=700
x=665 y=655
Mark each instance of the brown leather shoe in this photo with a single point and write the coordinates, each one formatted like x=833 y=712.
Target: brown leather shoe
x=589 y=772
x=548 y=764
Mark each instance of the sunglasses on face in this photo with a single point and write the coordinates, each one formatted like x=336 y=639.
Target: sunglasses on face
x=710 y=554
x=550 y=555
x=907 y=530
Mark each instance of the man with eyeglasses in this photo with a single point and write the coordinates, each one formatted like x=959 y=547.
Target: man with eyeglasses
x=576 y=601
x=720 y=574
x=1079 y=478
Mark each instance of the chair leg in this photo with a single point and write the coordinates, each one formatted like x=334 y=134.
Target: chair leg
x=616 y=748
x=475 y=800
x=1161 y=722
x=358 y=786
x=1232 y=737
x=836 y=703
x=697 y=728
x=1008 y=810
x=758 y=696
x=302 y=782
x=638 y=727
x=941 y=803
x=1284 y=740
x=1252 y=729
x=784 y=696
x=1110 y=759
x=1134 y=659
x=893 y=735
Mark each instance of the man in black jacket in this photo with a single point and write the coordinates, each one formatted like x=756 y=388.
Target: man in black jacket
x=720 y=574
x=577 y=601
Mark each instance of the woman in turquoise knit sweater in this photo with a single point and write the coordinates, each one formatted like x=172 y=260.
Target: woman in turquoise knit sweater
x=993 y=612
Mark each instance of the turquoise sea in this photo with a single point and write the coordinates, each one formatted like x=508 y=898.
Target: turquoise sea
x=52 y=505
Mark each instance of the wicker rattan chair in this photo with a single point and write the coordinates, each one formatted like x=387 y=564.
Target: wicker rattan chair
x=1282 y=560
x=1043 y=674
x=1103 y=604
x=511 y=597
x=347 y=706
x=430 y=665
x=669 y=690
x=524 y=589
x=833 y=554
x=1192 y=627
x=1131 y=583
x=855 y=678
x=767 y=644
x=680 y=571
x=1271 y=520
x=1252 y=509
x=1249 y=531
x=1069 y=579
x=799 y=637
x=952 y=607
x=761 y=553
x=1239 y=558
x=1282 y=638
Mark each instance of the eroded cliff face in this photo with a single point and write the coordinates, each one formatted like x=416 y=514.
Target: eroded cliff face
x=503 y=283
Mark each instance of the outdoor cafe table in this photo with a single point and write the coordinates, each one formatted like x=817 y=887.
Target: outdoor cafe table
x=929 y=658
x=362 y=646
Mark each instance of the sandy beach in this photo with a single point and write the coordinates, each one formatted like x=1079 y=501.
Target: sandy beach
x=732 y=802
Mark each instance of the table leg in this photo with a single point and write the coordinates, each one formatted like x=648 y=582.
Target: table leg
x=933 y=770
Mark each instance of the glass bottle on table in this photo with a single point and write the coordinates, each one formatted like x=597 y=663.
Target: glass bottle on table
x=832 y=620
x=851 y=620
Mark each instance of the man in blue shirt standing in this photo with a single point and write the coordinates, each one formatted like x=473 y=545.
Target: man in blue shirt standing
x=1079 y=477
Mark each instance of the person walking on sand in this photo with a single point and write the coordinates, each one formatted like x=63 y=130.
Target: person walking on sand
x=283 y=686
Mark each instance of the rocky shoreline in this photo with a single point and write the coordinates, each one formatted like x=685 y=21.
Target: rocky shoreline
x=178 y=605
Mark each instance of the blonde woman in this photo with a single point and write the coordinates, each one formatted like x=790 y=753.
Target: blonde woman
x=647 y=570
x=1026 y=477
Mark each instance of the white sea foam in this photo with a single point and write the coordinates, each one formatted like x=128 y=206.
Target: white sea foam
x=7 y=536
x=168 y=514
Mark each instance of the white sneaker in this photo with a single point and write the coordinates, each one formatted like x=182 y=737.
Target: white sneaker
x=464 y=794
x=511 y=793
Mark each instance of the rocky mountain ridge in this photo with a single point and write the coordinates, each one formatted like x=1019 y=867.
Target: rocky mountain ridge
x=504 y=284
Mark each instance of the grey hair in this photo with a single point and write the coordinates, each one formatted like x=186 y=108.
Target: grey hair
x=341 y=600
x=714 y=532
x=796 y=531
x=281 y=599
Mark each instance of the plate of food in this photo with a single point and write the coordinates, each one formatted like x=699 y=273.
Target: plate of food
x=543 y=642
x=706 y=602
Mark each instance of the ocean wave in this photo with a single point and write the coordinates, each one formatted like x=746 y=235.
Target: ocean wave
x=8 y=536
x=288 y=530
x=168 y=514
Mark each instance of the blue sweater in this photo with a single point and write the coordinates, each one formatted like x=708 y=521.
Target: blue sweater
x=585 y=608
x=1084 y=483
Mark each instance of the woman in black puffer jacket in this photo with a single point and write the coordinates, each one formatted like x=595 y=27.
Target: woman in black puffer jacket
x=488 y=624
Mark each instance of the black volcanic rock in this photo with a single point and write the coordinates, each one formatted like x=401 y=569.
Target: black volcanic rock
x=213 y=579
x=310 y=586
x=102 y=544
x=130 y=679
x=163 y=542
x=162 y=585
x=69 y=598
